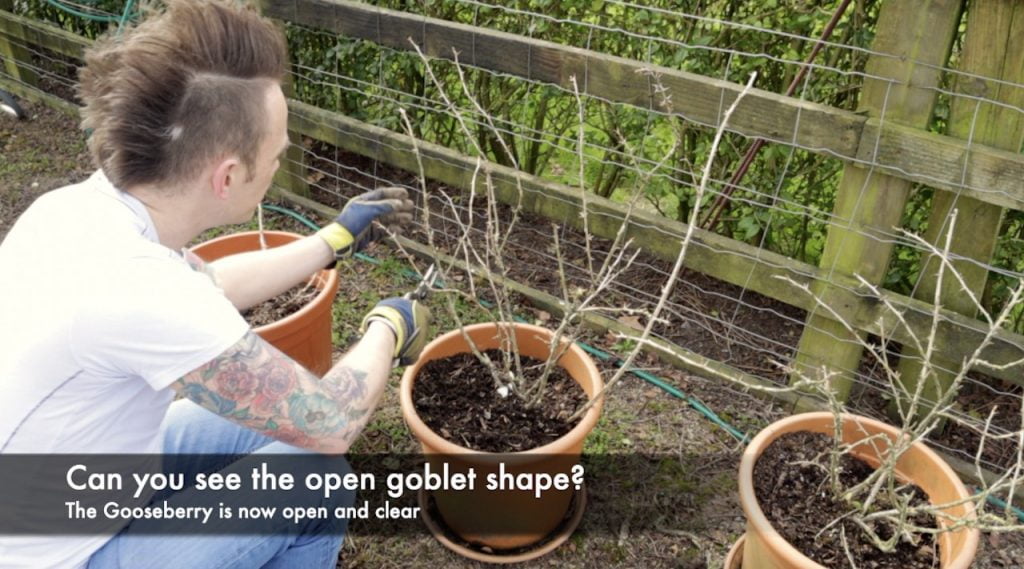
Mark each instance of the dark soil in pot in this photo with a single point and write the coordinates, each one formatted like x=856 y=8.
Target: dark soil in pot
x=282 y=305
x=457 y=398
x=793 y=490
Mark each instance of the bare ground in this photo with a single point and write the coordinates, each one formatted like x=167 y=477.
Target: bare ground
x=697 y=512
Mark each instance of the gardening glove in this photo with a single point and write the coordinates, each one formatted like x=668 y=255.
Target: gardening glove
x=408 y=319
x=354 y=229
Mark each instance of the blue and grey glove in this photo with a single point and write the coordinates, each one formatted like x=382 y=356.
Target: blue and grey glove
x=354 y=229
x=408 y=319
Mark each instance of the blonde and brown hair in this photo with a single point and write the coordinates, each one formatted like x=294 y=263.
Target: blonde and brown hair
x=184 y=87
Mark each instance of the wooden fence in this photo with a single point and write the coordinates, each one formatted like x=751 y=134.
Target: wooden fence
x=894 y=146
x=884 y=145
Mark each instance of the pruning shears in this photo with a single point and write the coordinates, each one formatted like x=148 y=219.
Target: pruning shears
x=423 y=290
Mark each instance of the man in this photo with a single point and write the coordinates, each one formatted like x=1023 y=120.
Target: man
x=106 y=319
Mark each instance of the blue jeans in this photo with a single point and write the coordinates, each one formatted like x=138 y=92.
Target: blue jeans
x=188 y=430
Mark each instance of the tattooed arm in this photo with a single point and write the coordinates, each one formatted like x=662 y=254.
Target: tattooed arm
x=260 y=388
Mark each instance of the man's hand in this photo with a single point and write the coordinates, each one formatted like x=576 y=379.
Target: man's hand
x=408 y=319
x=354 y=229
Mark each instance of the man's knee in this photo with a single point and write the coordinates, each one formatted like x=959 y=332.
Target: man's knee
x=189 y=428
x=335 y=476
x=186 y=425
x=329 y=478
x=324 y=480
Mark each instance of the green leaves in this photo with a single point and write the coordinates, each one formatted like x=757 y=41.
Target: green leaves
x=749 y=227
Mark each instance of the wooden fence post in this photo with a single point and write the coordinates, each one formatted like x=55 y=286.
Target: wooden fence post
x=12 y=50
x=918 y=36
x=993 y=48
x=291 y=176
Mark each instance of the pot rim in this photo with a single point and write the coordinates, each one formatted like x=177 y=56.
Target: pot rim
x=436 y=441
x=752 y=508
x=326 y=280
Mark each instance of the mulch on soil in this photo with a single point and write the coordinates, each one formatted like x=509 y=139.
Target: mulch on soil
x=962 y=434
x=715 y=319
x=792 y=487
x=284 y=304
x=978 y=399
x=712 y=318
x=457 y=398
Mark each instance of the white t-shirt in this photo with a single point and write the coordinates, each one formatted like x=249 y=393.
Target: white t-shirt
x=98 y=319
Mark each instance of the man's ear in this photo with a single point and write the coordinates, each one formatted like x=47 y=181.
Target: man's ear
x=227 y=172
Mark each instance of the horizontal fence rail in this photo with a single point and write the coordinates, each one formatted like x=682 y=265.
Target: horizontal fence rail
x=982 y=172
x=18 y=30
x=717 y=256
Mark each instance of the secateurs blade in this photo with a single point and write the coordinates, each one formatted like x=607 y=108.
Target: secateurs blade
x=422 y=290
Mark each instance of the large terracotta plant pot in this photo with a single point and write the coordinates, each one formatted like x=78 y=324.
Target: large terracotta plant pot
x=524 y=520
x=304 y=335
x=766 y=549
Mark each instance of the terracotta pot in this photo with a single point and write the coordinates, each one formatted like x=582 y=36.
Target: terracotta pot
x=734 y=559
x=524 y=519
x=766 y=549
x=304 y=335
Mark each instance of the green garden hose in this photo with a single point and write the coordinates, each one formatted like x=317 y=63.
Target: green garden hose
x=126 y=14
